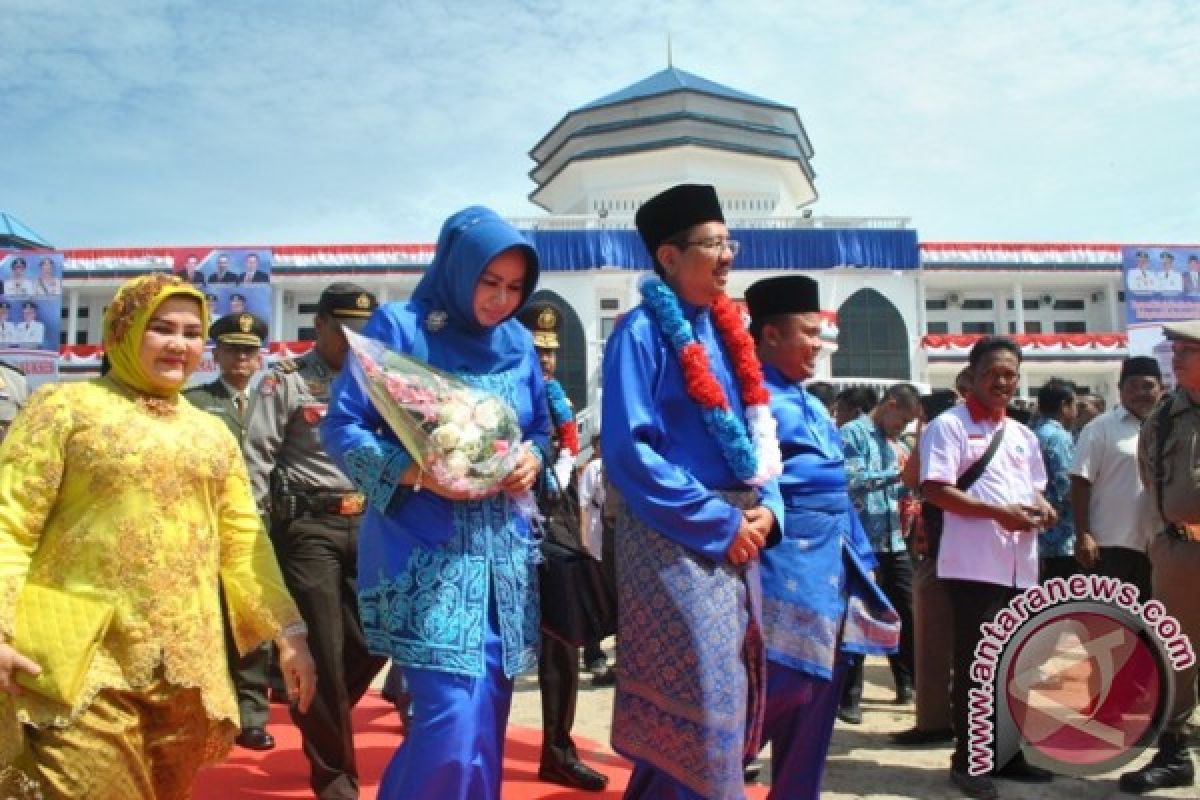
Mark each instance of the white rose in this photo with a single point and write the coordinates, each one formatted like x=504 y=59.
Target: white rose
x=470 y=443
x=487 y=415
x=456 y=413
x=446 y=437
x=457 y=465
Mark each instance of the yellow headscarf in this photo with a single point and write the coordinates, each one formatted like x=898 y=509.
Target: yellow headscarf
x=126 y=319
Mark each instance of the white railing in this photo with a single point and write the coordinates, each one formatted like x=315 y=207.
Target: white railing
x=560 y=222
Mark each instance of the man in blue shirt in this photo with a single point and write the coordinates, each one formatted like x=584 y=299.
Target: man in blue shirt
x=819 y=602
x=1056 y=417
x=874 y=458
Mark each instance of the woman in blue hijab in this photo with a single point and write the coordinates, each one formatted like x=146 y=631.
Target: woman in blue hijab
x=448 y=584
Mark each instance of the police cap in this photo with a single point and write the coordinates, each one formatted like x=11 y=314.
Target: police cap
x=239 y=329
x=1183 y=331
x=544 y=320
x=348 y=303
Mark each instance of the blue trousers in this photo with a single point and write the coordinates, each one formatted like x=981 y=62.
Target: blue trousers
x=455 y=744
x=799 y=726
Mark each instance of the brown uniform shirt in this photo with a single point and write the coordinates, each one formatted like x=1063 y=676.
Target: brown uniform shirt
x=1180 y=461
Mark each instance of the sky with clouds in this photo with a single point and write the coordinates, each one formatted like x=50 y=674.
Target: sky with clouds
x=158 y=122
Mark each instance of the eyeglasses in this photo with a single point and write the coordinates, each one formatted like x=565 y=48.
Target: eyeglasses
x=717 y=243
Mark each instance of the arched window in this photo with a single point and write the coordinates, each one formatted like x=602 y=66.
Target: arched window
x=872 y=339
x=572 y=348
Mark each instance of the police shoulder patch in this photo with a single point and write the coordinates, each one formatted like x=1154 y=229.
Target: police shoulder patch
x=286 y=365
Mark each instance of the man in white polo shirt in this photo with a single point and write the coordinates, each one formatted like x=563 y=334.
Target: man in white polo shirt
x=1114 y=517
x=989 y=543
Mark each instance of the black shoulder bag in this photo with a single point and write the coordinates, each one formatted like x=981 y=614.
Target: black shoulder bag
x=578 y=604
x=932 y=516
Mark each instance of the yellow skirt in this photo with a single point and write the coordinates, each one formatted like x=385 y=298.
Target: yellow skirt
x=142 y=744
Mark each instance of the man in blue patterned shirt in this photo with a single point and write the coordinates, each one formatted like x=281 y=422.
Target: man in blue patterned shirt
x=1056 y=418
x=874 y=458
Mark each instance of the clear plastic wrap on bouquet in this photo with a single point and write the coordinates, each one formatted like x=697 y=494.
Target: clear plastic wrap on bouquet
x=466 y=438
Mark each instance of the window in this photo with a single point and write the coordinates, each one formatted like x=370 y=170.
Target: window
x=977 y=304
x=935 y=305
x=1029 y=304
x=1033 y=326
x=606 y=327
x=308 y=334
x=937 y=327
x=978 y=327
x=307 y=308
x=1070 y=326
x=610 y=304
x=872 y=339
x=1069 y=305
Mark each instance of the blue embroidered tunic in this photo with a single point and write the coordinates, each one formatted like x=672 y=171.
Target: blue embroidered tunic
x=817 y=591
x=428 y=567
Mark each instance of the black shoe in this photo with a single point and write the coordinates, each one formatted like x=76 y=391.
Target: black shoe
x=750 y=774
x=1170 y=768
x=851 y=715
x=574 y=774
x=905 y=695
x=915 y=737
x=1021 y=770
x=981 y=787
x=597 y=664
x=278 y=697
x=606 y=678
x=255 y=739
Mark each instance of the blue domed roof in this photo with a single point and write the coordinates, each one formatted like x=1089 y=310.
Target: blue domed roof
x=13 y=233
x=673 y=79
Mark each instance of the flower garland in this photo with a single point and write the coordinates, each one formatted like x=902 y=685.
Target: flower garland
x=751 y=449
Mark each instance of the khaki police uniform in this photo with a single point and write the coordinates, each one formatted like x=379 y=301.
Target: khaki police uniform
x=250 y=672
x=14 y=391
x=314 y=513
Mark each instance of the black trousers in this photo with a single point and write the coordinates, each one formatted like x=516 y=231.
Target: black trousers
x=895 y=578
x=558 y=679
x=974 y=603
x=1131 y=566
x=319 y=559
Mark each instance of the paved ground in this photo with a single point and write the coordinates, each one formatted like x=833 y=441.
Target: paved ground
x=862 y=762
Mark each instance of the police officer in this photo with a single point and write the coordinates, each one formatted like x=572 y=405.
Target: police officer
x=14 y=391
x=238 y=340
x=315 y=514
x=1169 y=461
x=558 y=664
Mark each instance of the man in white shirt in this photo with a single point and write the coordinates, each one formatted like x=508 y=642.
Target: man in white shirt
x=1140 y=278
x=989 y=543
x=1169 y=280
x=19 y=283
x=1114 y=519
x=30 y=330
x=592 y=533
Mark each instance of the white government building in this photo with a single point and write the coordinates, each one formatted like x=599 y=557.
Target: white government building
x=905 y=309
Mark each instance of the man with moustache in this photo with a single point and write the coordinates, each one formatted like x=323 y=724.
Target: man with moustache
x=820 y=604
x=315 y=513
x=1169 y=462
x=223 y=274
x=252 y=273
x=238 y=341
x=696 y=506
x=989 y=544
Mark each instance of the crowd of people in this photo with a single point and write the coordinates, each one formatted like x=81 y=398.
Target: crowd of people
x=245 y=540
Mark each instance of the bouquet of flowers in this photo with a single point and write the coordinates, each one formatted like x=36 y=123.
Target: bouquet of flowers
x=466 y=438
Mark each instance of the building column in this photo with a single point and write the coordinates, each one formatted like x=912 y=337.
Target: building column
x=1018 y=298
x=1114 y=306
x=72 y=315
x=277 y=333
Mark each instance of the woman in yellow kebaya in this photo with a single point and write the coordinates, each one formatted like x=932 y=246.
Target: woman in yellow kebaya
x=119 y=488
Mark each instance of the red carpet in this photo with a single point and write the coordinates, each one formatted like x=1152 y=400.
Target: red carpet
x=283 y=773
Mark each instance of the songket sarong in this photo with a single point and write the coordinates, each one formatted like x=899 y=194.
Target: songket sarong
x=691 y=660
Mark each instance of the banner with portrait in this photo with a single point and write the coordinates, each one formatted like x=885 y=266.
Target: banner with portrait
x=31 y=312
x=234 y=279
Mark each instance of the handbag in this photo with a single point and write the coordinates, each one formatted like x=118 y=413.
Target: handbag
x=579 y=604
x=61 y=631
x=932 y=517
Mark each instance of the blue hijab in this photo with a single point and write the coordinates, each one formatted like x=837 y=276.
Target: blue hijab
x=445 y=297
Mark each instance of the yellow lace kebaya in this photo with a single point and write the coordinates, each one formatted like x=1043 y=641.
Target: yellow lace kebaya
x=145 y=499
